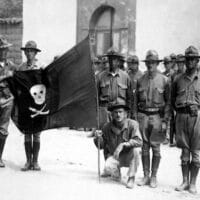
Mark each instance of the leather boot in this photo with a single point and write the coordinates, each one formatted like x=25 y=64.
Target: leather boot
x=154 y=169
x=28 y=151
x=2 y=144
x=194 y=170
x=185 y=174
x=146 y=167
x=130 y=182
x=36 y=149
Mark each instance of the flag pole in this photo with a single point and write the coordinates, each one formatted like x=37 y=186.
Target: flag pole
x=97 y=102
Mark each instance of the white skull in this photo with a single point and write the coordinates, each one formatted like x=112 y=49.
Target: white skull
x=38 y=92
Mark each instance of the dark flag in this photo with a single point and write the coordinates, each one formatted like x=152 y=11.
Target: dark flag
x=61 y=95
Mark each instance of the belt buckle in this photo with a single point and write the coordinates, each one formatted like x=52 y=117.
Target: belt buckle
x=152 y=110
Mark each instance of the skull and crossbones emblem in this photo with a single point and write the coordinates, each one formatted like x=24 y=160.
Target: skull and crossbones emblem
x=38 y=92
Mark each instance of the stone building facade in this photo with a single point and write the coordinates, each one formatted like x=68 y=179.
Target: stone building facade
x=109 y=23
x=11 y=25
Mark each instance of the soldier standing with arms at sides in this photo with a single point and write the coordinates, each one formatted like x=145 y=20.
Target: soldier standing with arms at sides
x=6 y=98
x=113 y=86
x=169 y=73
x=134 y=74
x=186 y=102
x=180 y=61
x=31 y=141
x=153 y=111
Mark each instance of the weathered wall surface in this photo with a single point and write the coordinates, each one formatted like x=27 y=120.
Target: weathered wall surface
x=11 y=26
x=125 y=18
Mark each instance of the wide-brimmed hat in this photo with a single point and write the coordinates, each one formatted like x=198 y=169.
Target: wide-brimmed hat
x=112 y=52
x=117 y=105
x=4 y=43
x=173 y=56
x=191 y=52
x=167 y=59
x=180 y=58
x=96 y=60
x=31 y=45
x=133 y=59
x=152 y=55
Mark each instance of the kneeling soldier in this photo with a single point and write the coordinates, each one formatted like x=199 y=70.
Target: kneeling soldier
x=122 y=138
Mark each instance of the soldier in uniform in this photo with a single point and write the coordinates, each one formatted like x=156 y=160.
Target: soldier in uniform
x=174 y=65
x=180 y=61
x=169 y=73
x=153 y=111
x=31 y=141
x=134 y=74
x=186 y=102
x=6 y=98
x=113 y=86
x=122 y=138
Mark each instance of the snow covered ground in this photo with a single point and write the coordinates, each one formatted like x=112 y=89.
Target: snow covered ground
x=69 y=172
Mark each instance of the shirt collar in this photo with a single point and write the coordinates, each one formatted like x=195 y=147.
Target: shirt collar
x=33 y=64
x=117 y=130
x=117 y=73
x=195 y=76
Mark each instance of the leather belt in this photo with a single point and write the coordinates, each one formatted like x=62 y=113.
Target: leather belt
x=150 y=111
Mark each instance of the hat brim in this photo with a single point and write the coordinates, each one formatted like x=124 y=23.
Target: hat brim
x=192 y=56
x=5 y=46
x=114 y=107
x=112 y=55
x=152 y=60
x=25 y=48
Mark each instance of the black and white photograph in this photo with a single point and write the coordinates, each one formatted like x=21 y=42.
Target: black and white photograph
x=99 y=99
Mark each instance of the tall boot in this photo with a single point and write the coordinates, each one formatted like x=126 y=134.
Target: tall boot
x=36 y=149
x=185 y=174
x=28 y=151
x=146 y=168
x=154 y=169
x=2 y=144
x=194 y=170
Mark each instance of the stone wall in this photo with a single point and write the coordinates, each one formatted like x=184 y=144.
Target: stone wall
x=126 y=17
x=11 y=25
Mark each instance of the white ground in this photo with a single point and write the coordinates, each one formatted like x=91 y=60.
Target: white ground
x=69 y=171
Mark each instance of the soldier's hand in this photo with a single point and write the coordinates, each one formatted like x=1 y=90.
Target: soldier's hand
x=164 y=126
x=9 y=73
x=118 y=151
x=98 y=133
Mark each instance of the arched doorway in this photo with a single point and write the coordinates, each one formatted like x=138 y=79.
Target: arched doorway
x=106 y=30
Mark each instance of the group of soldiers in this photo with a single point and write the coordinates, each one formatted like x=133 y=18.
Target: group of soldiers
x=137 y=111
x=7 y=68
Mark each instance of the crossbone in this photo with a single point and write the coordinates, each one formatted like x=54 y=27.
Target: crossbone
x=38 y=112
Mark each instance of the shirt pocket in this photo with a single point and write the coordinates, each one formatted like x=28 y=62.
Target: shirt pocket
x=122 y=89
x=105 y=89
x=125 y=136
x=181 y=98
x=142 y=94
x=197 y=96
x=158 y=96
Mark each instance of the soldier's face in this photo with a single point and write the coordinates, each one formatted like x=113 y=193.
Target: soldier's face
x=191 y=63
x=168 y=65
x=151 y=65
x=133 y=66
x=3 y=53
x=119 y=114
x=30 y=54
x=180 y=65
x=114 y=63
